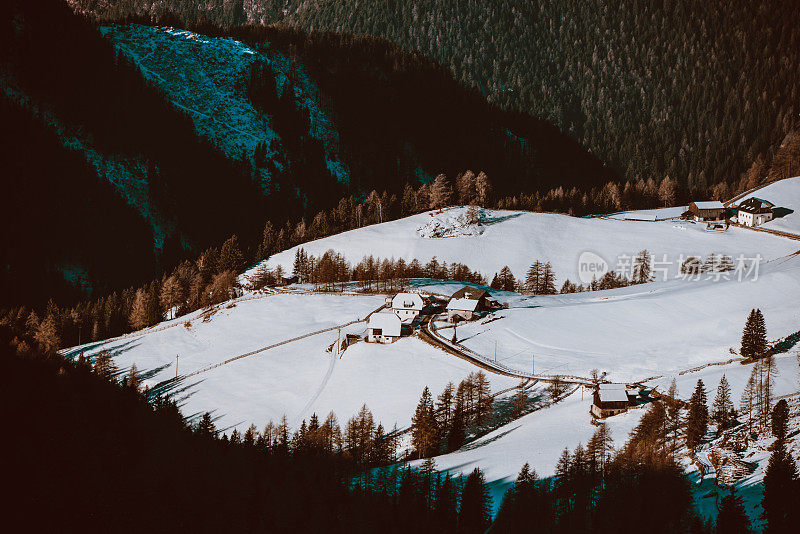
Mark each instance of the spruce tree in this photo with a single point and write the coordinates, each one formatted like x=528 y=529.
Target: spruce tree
x=780 y=420
x=424 y=432
x=642 y=268
x=781 y=501
x=697 y=419
x=474 y=513
x=732 y=518
x=722 y=409
x=104 y=365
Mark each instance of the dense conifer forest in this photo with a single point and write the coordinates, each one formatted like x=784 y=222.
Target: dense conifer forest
x=697 y=93
x=399 y=118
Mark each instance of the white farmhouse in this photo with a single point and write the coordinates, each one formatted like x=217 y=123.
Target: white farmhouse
x=755 y=211
x=383 y=327
x=407 y=306
x=463 y=309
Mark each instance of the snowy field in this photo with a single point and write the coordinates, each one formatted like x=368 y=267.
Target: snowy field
x=517 y=239
x=784 y=194
x=640 y=331
x=296 y=379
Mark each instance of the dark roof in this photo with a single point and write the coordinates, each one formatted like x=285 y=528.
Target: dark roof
x=756 y=205
x=475 y=293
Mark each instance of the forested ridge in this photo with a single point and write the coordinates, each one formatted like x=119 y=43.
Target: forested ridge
x=399 y=118
x=695 y=92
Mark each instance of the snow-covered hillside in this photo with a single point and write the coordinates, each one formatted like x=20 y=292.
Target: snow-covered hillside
x=639 y=331
x=296 y=379
x=650 y=333
x=517 y=239
x=785 y=194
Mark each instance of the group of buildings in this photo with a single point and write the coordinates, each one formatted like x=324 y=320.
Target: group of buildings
x=387 y=326
x=751 y=212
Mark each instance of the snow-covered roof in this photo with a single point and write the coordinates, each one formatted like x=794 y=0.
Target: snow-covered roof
x=709 y=205
x=388 y=322
x=462 y=304
x=407 y=301
x=613 y=395
x=613 y=386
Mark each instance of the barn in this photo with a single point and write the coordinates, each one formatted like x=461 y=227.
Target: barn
x=707 y=211
x=609 y=399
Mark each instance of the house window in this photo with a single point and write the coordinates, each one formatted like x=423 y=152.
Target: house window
x=377 y=331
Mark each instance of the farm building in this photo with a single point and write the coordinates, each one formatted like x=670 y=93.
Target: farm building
x=463 y=309
x=610 y=399
x=755 y=211
x=473 y=293
x=407 y=306
x=708 y=211
x=383 y=327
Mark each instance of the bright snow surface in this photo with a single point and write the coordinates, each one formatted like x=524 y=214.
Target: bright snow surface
x=517 y=239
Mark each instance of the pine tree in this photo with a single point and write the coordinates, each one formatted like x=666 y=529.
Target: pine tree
x=140 y=312
x=466 y=187
x=133 y=381
x=205 y=427
x=483 y=188
x=748 y=400
x=519 y=403
x=780 y=420
x=697 y=419
x=732 y=518
x=781 y=501
x=172 y=294
x=47 y=335
x=533 y=278
x=474 y=513
x=440 y=192
x=424 y=432
x=754 y=336
x=266 y=247
x=722 y=409
x=444 y=406
x=104 y=365
x=548 y=280
x=673 y=417
x=457 y=432
x=445 y=507
x=599 y=449
x=642 y=268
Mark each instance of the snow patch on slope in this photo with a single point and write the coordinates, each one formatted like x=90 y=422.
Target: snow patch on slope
x=451 y=222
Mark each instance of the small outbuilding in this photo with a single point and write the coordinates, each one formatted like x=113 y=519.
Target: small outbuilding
x=407 y=306
x=707 y=211
x=383 y=327
x=609 y=399
x=755 y=211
